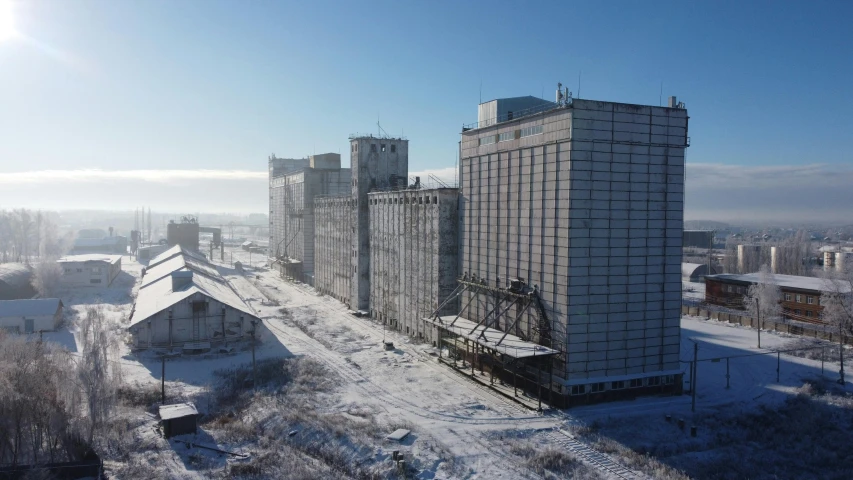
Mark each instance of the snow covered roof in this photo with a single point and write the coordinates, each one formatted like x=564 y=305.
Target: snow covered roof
x=511 y=345
x=38 y=307
x=15 y=274
x=784 y=281
x=174 y=264
x=90 y=257
x=201 y=277
x=179 y=410
x=176 y=250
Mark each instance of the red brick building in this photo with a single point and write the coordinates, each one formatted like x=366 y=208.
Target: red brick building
x=800 y=295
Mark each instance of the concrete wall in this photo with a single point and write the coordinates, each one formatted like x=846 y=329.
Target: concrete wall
x=377 y=164
x=591 y=211
x=93 y=273
x=413 y=256
x=39 y=323
x=190 y=326
x=333 y=250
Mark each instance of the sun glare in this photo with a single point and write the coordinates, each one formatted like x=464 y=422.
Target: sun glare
x=7 y=21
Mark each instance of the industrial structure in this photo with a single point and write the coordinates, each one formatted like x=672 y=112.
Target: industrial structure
x=91 y=270
x=292 y=196
x=696 y=272
x=185 y=305
x=556 y=263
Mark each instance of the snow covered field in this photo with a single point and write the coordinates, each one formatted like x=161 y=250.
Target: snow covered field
x=460 y=429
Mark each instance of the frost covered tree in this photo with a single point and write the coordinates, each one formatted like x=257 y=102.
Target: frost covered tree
x=762 y=299
x=837 y=302
x=46 y=276
x=98 y=372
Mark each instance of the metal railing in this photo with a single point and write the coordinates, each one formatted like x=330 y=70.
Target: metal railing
x=515 y=115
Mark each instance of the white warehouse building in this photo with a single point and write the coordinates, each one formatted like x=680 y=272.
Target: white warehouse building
x=185 y=305
x=30 y=316
x=89 y=270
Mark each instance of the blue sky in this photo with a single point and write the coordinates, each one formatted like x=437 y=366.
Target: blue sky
x=219 y=85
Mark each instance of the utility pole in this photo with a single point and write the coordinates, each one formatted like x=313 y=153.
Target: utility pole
x=163 y=380
x=841 y=353
x=693 y=379
x=254 y=371
x=758 y=316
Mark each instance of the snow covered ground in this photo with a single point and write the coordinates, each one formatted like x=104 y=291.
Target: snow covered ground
x=479 y=430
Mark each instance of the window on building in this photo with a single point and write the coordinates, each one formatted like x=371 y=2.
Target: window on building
x=798 y=311
x=509 y=115
x=487 y=140
x=654 y=381
x=79 y=270
x=596 y=387
x=373 y=147
x=393 y=148
x=199 y=306
x=67 y=270
x=669 y=379
x=809 y=313
x=799 y=299
x=618 y=385
x=383 y=147
x=810 y=300
x=530 y=131
x=578 y=389
x=787 y=297
x=636 y=383
x=506 y=136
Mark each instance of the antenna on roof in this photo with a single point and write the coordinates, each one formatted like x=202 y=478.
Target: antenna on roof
x=481 y=91
x=579 y=83
x=660 y=97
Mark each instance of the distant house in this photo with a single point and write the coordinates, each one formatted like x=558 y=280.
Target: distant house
x=800 y=295
x=184 y=304
x=30 y=316
x=248 y=245
x=92 y=270
x=115 y=244
x=15 y=281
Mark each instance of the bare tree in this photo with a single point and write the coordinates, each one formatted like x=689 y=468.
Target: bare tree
x=762 y=299
x=46 y=276
x=837 y=303
x=98 y=372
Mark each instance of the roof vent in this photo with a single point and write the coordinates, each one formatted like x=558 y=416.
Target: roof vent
x=181 y=279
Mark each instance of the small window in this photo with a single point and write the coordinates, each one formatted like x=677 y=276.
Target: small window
x=509 y=115
x=787 y=297
x=383 y=147
x=810 y=300
x=798 y=311
x=435 y=200
x=578 y=389
x=596 y=387
x=636 y=383
x=619 y=385
x=79 y=270
x=67 y=270
x=393 y=148
x=654 y=381
x=809 y=313
x=799 y=299
x=669 y=379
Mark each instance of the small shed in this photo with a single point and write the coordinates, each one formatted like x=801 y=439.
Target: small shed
x=30 y=316
x=248 y=245
x=178 y=419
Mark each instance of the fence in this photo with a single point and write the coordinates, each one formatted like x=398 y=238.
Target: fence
x=698 y=308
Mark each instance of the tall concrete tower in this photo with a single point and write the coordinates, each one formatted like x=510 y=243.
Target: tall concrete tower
x=377 y=164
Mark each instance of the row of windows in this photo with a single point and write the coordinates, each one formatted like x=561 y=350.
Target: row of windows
x=381 y=148
x=506 y=136
x=404 y=200
x=95 y=270
x=622 y=384
x=799 y=298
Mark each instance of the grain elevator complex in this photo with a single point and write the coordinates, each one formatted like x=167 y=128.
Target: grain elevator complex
x=554 y=267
